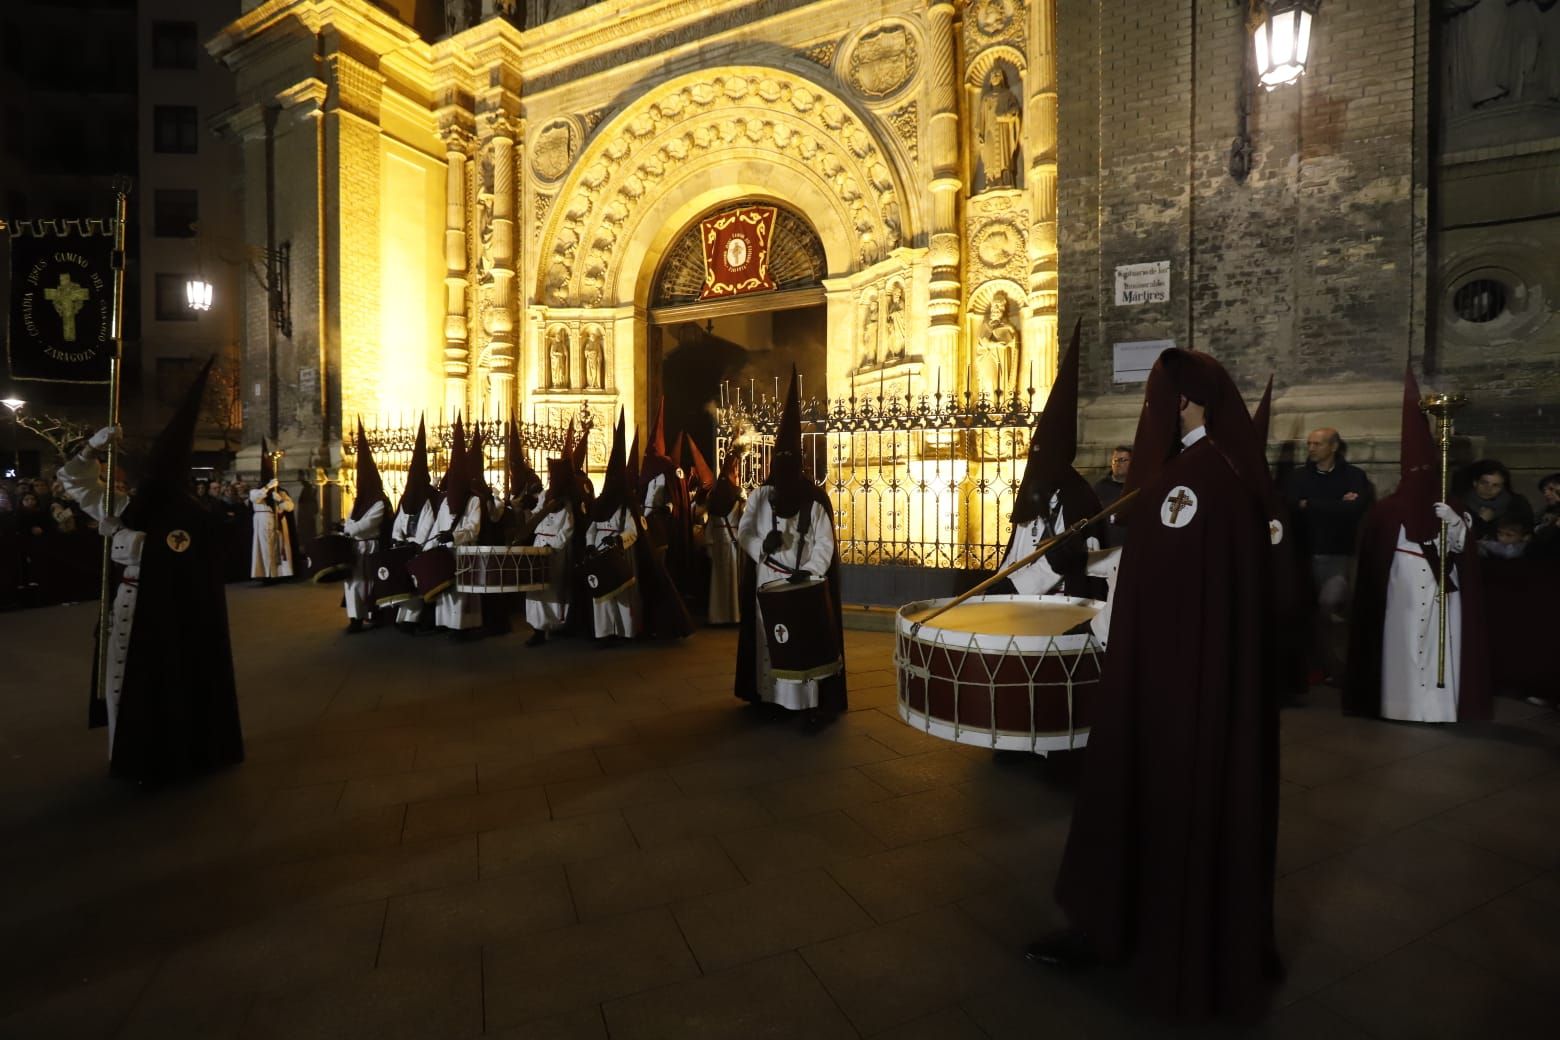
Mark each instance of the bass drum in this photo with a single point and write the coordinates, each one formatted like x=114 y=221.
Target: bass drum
x=390 y=582
x=329 y=557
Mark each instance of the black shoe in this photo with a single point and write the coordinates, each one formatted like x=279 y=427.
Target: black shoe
x=1066 y=950
x=354 y=626
x=537 y=638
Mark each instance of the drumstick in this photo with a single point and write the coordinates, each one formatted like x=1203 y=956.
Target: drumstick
x=1040 y=550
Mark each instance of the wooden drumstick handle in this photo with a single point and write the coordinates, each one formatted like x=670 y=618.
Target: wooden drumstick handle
x=1039 y=551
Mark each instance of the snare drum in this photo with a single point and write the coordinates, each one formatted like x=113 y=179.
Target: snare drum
x=486 y=569
x=432 y=571
x=799 y=631
x=329 y=557
x=1006 y=672
x=392 y=583
x=607 y=572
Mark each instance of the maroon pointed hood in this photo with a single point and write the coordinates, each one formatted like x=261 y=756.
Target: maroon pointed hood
x=369 y=487
x=267 y=464
x=1054 y=443
x=1419 y=471
x=419 y=482
x=455 y=483
x=521 y=475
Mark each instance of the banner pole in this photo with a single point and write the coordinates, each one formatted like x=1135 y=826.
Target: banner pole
x=115 y=363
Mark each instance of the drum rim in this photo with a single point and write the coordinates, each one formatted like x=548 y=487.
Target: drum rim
x=932 y=634
x=508 y=550
x=987 y=737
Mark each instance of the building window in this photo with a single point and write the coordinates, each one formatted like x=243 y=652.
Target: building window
x=1481 y=300
x=172 y=304
x=173 y=380
x=173 y=45
x=174 y=128
x=174 y=212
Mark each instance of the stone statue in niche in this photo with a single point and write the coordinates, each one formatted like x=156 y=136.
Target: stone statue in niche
x=558 y=358
x=591 y=344
x=869 y=331
x=1500 y=51
x=996 y=353
x=998 y=132
x=895 y=338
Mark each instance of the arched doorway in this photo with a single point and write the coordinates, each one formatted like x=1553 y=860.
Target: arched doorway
x=699 y=348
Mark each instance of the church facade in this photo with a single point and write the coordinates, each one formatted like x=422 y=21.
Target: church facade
x=502 y=209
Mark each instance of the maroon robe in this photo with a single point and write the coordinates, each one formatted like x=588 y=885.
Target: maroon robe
x=1170 y=861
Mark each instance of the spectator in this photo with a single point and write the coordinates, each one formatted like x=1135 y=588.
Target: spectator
x=1327 y=498
x=1510 y=541
x=1487 y=485
x=1545 y=543
x=30 y=516
x=1109 y=488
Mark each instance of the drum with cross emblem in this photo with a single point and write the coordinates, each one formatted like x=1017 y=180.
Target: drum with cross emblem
x=390 y=582
x=798 y=621
x=329 y=557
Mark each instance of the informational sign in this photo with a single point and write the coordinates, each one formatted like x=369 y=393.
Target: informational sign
x=61 y=301
x=1143 y=283
x=1135 y=359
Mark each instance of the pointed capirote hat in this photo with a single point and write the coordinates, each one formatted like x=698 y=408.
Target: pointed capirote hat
x=455 y=483
x=521 y=474
x=267 y=464
x=165 y=471
x=370 y=486
x=419 y=482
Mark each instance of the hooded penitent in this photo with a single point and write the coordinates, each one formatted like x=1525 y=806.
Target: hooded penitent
x=1410 y=508
x=521 y=476
x=616 y=491
x=456 y=482
x=633 y=465
x=787 y=473
x=267 y=463
x=370 y=488
x=1261 y=419
x=701 y=479
x=419 y=484
x=178 y=708
x=1169 y=865
x=1049 y=470
x=728 y=488
x=580 y=453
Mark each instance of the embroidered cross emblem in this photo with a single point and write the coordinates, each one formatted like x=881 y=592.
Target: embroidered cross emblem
x=1179 y=501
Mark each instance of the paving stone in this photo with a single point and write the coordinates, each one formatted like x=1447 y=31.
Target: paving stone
x=87 y=1007
x=596 y=794
x=473 y=813
x=920 y=772
x=414 y=786
x=502 y=774
x=439 y=999
x=798 y=845
x=908 y=880
x=479 y=913
x=1515 y=937
x=777 y=998
x=771 y=916
x=652 y=877
x=814 y=793
x=554 y=972
x=926 y=814
x=540 y=844
x=356 y=877
x=693 y=817
x=585 y=1024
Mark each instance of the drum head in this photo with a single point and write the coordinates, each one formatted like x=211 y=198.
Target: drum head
x=1008 y=615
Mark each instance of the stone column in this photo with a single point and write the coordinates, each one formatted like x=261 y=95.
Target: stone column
x=943 y=125
x=499 y=314
x=1040 y=332
x=457 y=346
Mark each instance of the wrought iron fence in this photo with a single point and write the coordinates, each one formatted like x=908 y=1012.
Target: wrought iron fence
x=392 y=447
x=919 y=481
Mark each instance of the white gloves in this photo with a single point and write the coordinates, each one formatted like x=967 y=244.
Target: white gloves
x=110 y=526
x=103 y=438
x=272 y=486
x=1456 y=526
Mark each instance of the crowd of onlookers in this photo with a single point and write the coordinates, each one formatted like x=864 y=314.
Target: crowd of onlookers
x=50 y=552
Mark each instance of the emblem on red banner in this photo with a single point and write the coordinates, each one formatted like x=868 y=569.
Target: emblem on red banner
x=736 y=251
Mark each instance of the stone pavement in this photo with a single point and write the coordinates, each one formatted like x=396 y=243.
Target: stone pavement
x=432 y=841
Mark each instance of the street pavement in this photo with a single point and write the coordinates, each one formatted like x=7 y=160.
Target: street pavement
x=431 y=840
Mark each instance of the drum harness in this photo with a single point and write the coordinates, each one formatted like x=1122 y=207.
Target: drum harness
x=803 y=529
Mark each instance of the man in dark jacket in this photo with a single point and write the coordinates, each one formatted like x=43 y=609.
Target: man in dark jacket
x=1327 y=498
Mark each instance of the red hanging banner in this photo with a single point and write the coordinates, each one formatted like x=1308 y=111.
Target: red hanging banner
x=736 y=251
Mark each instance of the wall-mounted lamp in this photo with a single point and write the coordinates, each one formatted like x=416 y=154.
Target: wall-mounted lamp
x=1280 y=32
x=197 y=293
x=275 y=278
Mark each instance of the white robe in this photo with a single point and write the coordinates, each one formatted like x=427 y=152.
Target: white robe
x=455 y=610
x=404 y=529
x=815 y=555
x=655 y=494
x=620 y=615
x=1039 y=578
x=272 y=553
x=1410 y=634
x=359 y=585
x=81 y=481
x=720 y=538
x=546 y=610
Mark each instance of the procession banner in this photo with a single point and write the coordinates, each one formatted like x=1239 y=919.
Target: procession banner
x=61 y=300
x=736 y=251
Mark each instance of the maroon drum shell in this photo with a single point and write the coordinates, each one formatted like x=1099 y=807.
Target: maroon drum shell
x=432 y=571
x=805 y=612
x=395 y=584
x=610 y=569
x=329 y=556
x=978 y=674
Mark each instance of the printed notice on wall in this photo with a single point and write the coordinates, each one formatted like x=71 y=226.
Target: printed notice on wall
x=1135 y=359
x=1143 y=283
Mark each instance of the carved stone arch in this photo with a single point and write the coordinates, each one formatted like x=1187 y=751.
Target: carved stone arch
x=975 y=74
x=739 y=128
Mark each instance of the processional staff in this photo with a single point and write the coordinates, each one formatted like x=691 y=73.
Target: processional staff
x=1442 y=407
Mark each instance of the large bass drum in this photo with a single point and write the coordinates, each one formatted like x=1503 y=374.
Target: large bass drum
x=1014 y=673
x=798 y=620
x=432 y=571
x=329 y=557
x=391 y=583
x=491 y=569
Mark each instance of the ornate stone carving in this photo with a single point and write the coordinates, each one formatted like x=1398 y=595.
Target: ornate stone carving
x=992 y=18
x=593 y=347
x=554 y=149
x=869 y=330
x=822 y=53
x=997 y=345
x=882 y=61
x=906 y=122
x=760 y=112
x=896 y=337
x=998 y=134
x=593 y=118
x=558 y=351
x=999 y=247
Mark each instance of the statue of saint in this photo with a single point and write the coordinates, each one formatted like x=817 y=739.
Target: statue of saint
x=896 y=340
x=594 y=356
x=998 y=133
x=996 y=357
x=558 y=358
x=869 y=331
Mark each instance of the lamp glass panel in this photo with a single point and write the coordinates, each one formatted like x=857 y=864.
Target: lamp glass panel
x=1260 y=37
x=1283 y=42
x=1303 y=48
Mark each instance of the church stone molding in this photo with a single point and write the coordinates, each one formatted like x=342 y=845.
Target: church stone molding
x=822 y=53
x=906 y=122
x=882 y=61
x=766 y=114
x=554 y=147
x=990 y=21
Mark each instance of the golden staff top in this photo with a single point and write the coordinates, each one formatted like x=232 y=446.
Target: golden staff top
x=1442 y=407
